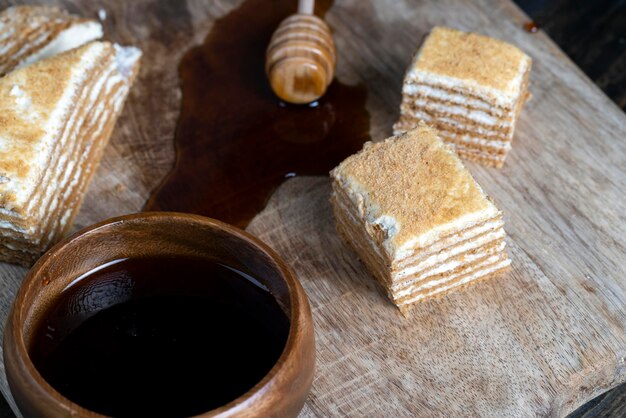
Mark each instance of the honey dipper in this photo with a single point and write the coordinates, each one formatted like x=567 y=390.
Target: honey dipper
x=300 y=58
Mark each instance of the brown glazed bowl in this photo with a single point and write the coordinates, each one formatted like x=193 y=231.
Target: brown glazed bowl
x=282 y=391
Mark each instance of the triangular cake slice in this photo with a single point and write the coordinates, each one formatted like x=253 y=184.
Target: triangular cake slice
x=55 y=118
x=31 y=33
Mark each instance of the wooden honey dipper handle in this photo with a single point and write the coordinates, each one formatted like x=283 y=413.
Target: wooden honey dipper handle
x=306 y=7
x=300 y=59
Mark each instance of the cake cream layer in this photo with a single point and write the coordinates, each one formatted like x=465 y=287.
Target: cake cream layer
x=432 y=108
x=460 y=238
x=103 y=134
x=446 y=259
x=412 y=89
x=410 y=191
x=484 y=160
x=476 y=152
x=32 y=33
x=485 y=152
x=479 y=156
x=438 y=252
x=441 y=282
x=412 y=115
x=447 y=253
x=466 y=86
x=31 y=213
x=457 y=92
x=103 y=107
x=106 y=85
x=469 y=147
x=463 y=97
x=346 y=208
x=471 y=141
x=72 y=37
x=65 y=152
x=477 y=275
x=462 y=114
x=408 y=120
x=453 y=264
x=456 y=115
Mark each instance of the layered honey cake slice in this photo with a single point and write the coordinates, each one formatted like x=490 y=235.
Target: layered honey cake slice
x=416 y=217
x=56 y=116
x=31 y=33
x=471 y=88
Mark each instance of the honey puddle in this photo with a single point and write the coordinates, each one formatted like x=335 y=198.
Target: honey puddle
x=235 y=142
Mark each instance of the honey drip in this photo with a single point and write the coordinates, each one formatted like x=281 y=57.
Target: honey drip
x=531 y=27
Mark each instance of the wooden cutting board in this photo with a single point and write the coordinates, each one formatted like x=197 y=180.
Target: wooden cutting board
x=539 y=340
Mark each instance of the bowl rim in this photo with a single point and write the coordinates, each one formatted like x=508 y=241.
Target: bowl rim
x=297 y=297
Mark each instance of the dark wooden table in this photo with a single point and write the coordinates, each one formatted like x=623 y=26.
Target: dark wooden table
x=593 y=34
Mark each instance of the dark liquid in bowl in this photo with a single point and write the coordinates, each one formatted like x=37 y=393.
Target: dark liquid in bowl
x=159 y=337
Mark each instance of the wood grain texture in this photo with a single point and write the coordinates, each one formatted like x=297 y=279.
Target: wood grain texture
x=538 y=341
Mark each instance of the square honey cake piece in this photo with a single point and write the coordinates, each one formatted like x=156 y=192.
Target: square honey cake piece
x=416 y=217
x=471 y=88
x=31 y=33
x=56 y=116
